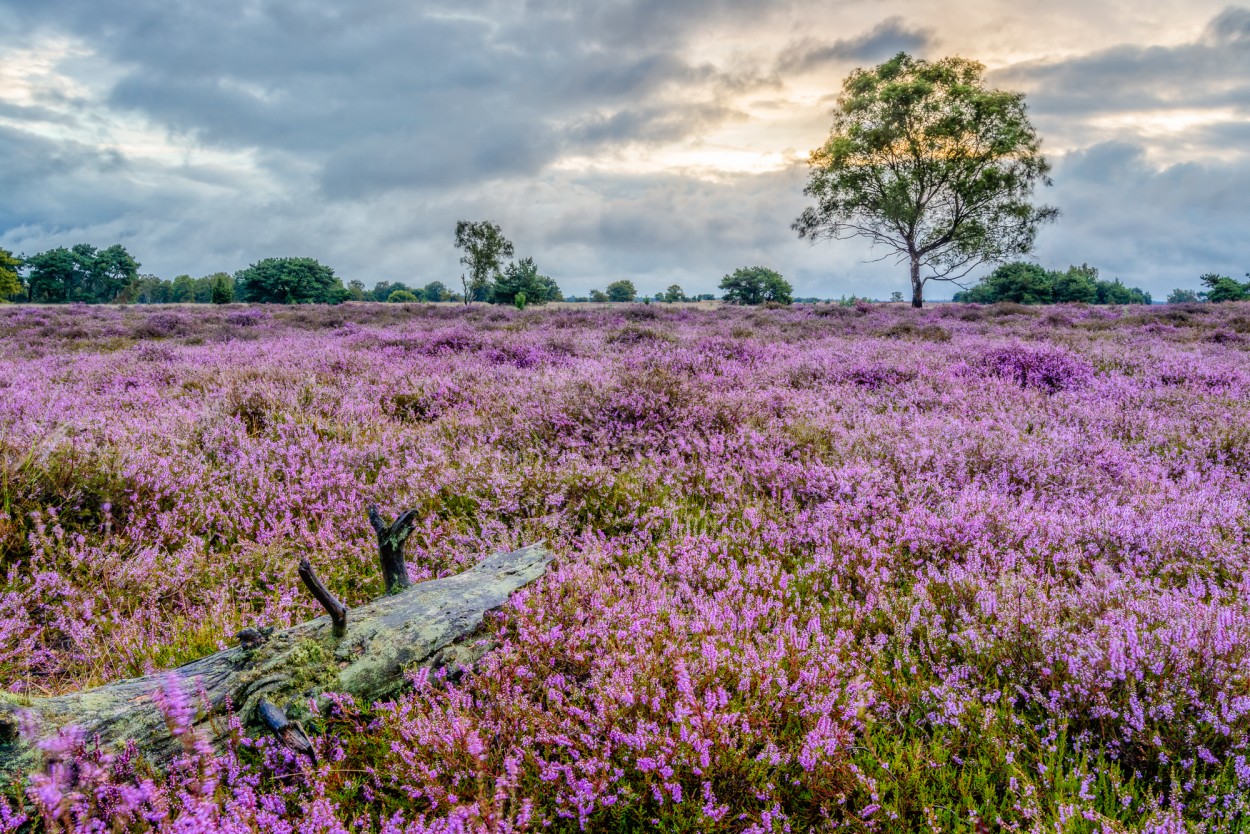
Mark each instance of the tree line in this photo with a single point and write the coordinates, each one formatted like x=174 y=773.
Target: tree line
x=1028 y=283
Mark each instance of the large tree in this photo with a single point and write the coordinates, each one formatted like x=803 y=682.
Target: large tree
x=289 y=281
x=926 y=162
x=484 y=247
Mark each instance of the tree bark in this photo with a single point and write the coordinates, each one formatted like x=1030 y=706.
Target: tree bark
x=917 y=285
x=430 y=624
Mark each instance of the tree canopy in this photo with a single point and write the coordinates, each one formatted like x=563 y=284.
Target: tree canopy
x=1223 y=288
x=756 y=285
x=10 y=283
x=81 y=273
x=1028 y=283
x=926 y=162
x=521 y=279
x=484 y=247
x=289 y=281
x=621 y=291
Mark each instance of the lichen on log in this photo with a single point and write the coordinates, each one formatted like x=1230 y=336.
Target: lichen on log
x=431 y=624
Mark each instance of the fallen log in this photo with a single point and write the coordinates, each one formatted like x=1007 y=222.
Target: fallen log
x=364 y=652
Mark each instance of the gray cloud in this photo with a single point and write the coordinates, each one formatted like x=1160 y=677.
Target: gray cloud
x=358 y=133
x=886 y=39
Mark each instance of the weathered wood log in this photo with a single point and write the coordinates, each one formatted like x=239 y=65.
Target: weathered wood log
x=432 y=624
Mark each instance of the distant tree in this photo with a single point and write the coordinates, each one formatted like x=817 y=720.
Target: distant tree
x=926 y=162
x=182 y=290
x=223 y=288
x=402 y=297
x=435 y=291
x=149 y=289
x=81 y=273
x=1114 y=292
x=1079 y=284
x=1179 y=296
x=108 y=272
x=10 y=283
x=484 y=247
x=756 y=285
x=621 y=291
x=289 y=281
x=896 y=297
x=356 y=289
x=672 y=295
x=52 y=276
x=1222 y=288
x=1026 y=283
x=598 y=296
x=522 y=277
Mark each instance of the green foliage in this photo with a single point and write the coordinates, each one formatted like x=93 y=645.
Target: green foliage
x=289 y=281
x=521 y=279
x=222 y=289
x=82 y=273
x=620 y=291
x=598 y=296
x=436 y=291
x=1078 y=284
x=756 y=285
x=673 y=294
x=402 y=297
x=1114 y=292
x=484 y=247
x=1020 y=282
x=926 y=162
x=1222 y=288
x=1180 y=296
x=10 y=284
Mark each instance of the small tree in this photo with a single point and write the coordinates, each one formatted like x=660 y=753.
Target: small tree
x=1180 y=296
x=484 y=247
x=756 y=285
x=402 y=297
x=223 y=288
x=621 y=291
x=672 y=295
x=927 y=163
x=289 y=281
x=10 y=283
x=598 y=296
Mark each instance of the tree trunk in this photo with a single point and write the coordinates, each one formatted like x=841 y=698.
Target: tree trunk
x=917 y=286
x=428 y=624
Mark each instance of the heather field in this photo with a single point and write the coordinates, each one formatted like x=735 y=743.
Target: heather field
x=857 y=568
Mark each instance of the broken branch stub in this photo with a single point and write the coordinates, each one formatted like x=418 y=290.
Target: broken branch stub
x=432 y=624
x=336 y=609
x=391 y=539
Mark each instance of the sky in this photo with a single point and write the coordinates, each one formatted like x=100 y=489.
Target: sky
x=659 y=141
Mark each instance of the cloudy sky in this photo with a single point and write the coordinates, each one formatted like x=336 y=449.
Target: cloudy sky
x=664 y=141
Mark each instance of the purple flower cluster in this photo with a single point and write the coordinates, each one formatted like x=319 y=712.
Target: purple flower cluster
x=865 y=568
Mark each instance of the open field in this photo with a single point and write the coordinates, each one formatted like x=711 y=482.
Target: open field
x=860 y=568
